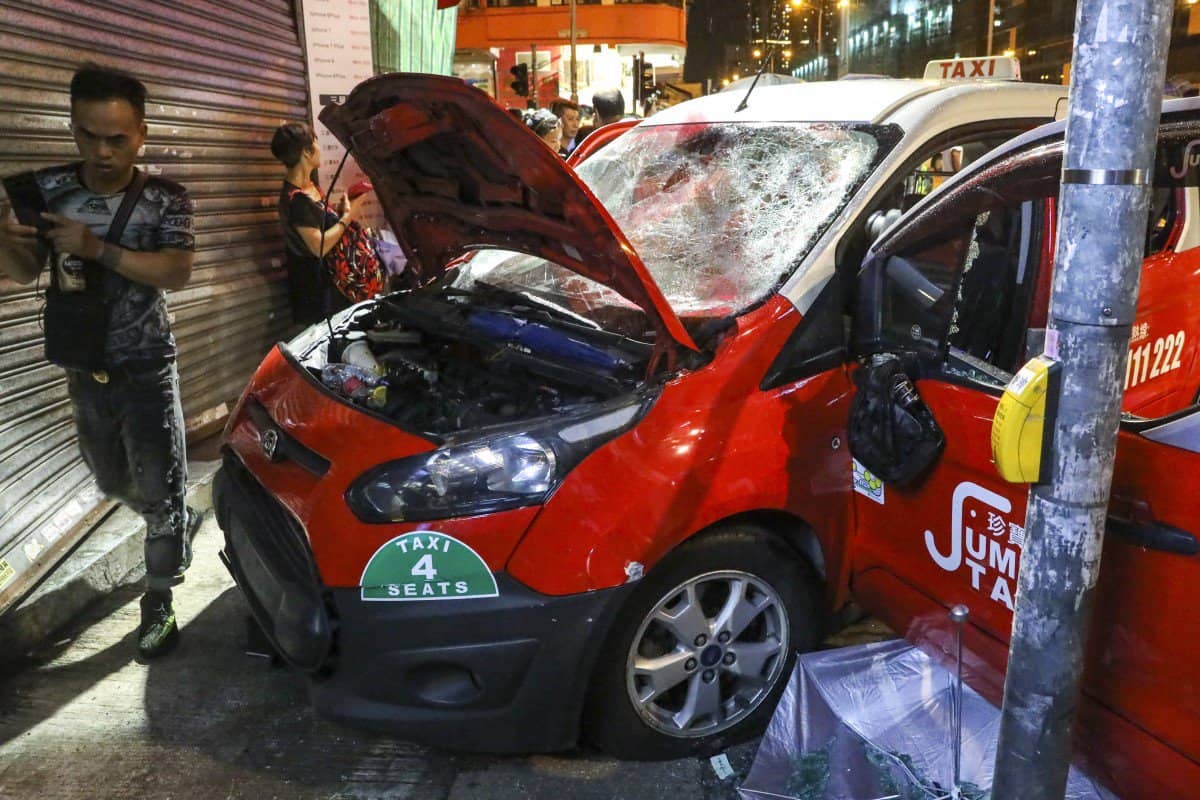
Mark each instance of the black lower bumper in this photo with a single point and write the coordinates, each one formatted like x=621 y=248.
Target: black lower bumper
x=505 y=674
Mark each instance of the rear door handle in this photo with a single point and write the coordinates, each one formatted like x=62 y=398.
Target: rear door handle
x=1155 y=536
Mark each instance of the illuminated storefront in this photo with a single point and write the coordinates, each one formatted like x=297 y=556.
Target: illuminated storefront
x=496 y=35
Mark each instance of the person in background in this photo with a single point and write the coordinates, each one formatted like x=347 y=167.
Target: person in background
x=128 y=414
x=303 y=213
x=610 y=107
x=568 y=112
x=547 y=127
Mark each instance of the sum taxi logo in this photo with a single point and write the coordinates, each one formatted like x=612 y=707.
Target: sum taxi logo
x=982 y=541
x=1190 y=160
x=426 y=565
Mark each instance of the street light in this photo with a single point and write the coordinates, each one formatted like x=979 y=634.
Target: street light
x=819 y=7
x=844 y=38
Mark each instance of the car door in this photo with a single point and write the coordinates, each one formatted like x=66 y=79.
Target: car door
x=958 y=295
x=949 y=295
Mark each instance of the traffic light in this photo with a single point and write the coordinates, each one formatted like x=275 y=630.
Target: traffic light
x=520 y=84
x=646 y=81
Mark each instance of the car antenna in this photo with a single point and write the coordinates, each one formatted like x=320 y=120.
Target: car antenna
x=766 y=60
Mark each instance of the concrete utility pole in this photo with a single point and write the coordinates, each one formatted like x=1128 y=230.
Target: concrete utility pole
x=1116 y=95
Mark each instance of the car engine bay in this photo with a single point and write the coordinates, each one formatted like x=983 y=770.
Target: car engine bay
x=446 y=364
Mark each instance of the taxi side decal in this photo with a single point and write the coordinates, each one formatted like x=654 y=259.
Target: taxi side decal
x=867 y=484
x=1148 y=361
x=426 y=565
x=990 y=549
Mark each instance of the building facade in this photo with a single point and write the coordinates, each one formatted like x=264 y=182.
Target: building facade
x=496 y=35
x=897 y=37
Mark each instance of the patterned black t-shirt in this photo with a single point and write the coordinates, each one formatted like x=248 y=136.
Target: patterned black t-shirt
x=138 y=327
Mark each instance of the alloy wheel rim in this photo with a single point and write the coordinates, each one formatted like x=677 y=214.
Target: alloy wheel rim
x=707 y=654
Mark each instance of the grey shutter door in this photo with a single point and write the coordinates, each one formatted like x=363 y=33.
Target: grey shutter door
x=221 y=76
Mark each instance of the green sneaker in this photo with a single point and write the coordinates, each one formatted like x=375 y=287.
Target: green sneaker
x=158 y=634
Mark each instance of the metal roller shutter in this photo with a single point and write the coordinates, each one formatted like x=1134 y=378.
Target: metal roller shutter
x=221 y=76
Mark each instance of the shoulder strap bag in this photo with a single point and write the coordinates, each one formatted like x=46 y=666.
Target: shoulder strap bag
x=76 y=322
x=353 y=264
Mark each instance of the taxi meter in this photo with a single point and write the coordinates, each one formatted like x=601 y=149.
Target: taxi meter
x=996 y=68
x=1021 y=429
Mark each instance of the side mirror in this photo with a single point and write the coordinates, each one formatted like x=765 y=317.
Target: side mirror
x=895 y=291
x=867 y=325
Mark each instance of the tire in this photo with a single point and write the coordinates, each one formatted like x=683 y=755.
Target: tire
x=718 y=685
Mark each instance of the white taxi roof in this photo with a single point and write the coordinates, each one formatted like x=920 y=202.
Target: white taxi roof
x=824 y=101
x=866 y=100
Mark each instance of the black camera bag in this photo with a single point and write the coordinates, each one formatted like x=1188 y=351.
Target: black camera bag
x=76 y=323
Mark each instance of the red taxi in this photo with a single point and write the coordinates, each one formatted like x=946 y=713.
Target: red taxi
x=593 y=473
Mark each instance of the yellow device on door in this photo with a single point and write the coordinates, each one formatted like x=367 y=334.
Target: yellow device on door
x=1024 y=420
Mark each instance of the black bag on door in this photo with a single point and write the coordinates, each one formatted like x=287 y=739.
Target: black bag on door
x=892 y=432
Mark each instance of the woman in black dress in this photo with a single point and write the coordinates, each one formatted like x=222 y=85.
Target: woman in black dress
x=301 y=210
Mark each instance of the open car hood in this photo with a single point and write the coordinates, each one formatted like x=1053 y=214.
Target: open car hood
x=455 y=172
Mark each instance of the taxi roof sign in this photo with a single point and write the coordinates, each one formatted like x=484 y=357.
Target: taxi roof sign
x=996 y=68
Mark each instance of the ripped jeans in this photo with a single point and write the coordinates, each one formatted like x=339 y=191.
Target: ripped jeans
x=131 y=435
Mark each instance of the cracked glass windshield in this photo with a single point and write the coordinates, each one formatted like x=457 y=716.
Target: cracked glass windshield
x=719 y=213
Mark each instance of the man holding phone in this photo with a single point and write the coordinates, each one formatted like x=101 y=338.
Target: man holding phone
x=114 y=240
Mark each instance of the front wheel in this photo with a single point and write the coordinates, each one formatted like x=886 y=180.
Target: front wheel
x=701 y=651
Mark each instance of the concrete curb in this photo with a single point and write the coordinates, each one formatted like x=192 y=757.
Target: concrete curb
x=109 y=558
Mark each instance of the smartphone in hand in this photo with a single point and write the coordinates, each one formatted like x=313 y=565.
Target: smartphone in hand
x=27 y=201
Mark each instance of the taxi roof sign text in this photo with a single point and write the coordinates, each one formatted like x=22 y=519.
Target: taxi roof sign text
x=1002 y=68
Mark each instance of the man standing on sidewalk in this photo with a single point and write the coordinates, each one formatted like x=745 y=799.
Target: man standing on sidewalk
x=127 y=412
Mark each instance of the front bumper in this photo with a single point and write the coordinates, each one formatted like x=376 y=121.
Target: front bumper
x=505 y=674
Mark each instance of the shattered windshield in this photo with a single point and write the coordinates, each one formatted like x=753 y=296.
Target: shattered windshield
x=719 y=212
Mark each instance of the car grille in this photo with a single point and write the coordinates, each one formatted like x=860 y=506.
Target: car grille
x=269 y=557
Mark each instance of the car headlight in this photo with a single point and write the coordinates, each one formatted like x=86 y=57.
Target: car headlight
x=505 y=470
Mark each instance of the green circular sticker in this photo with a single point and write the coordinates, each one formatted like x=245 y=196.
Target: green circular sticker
x=426 y=565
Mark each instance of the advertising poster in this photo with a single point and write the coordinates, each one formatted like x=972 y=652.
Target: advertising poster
x=338 y=36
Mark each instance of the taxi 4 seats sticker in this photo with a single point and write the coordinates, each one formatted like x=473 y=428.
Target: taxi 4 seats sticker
x=867 y=484
x=426 y=565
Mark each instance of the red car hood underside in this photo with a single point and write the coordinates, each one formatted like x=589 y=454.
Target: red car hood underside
x=455 y=172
